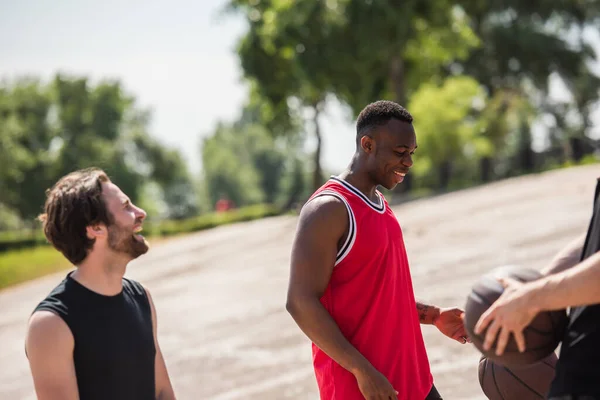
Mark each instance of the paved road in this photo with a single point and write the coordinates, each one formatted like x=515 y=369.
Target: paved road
x=220 y=294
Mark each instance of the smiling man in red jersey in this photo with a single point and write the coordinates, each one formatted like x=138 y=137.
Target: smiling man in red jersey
x=350 y=288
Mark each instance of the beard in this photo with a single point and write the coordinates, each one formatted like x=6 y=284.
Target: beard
x=124 y=241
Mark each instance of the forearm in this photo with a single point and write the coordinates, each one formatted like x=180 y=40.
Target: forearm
x=566 y=258
x=579 y=285
x=427 y=314
x=316 y=323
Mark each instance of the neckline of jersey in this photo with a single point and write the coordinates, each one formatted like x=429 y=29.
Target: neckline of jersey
x=92 y=294
x=380 y=208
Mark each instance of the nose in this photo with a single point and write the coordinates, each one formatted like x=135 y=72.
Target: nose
x=140 y=213
x=407 y=161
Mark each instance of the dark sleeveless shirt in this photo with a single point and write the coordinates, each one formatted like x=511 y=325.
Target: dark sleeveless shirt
x=114 y=344
x=578 y=368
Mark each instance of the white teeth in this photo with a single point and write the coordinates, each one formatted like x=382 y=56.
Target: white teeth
x=400 y=173
x=138 y=229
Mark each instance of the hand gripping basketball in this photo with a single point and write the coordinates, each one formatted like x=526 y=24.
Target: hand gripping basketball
x=511 y=313
x=502 y=322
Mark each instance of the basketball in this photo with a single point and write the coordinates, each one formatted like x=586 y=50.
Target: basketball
x=543 y=334
x=526 y=382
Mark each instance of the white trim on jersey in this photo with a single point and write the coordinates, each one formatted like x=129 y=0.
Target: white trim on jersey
x=380 y=208
x=349 y=242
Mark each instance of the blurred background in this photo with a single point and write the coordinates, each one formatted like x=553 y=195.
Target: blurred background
x=197 y=106
x=215 y=111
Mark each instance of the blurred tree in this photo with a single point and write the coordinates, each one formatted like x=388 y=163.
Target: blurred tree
x=245 y=163
x=228 y=169
x=88 y=124
x=166 y=168
x=524 y=44
x=447 y=125
x=386 y=49
x=47 y=131
x=26 y=139
x=359 y=50
x=506 y=115
x=286 y=55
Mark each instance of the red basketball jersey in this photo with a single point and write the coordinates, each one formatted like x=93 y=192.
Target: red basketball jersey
x=370 y=296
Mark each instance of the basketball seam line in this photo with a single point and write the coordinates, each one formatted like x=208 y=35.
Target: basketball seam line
x=496 y=382
x=524 y=384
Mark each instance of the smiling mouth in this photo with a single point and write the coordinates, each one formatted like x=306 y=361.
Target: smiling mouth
x=136 y=233
x=399 y=173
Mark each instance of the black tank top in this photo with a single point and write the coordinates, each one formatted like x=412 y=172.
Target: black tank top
x=578 y=368
x=114 y=344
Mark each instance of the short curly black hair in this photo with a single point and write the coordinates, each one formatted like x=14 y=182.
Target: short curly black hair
x=378 y=114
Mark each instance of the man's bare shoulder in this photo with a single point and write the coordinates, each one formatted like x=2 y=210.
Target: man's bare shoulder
x=324 y=206
x=47 y=327
x=324 y=218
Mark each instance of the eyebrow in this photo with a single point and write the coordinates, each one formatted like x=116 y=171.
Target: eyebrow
x=405 y=146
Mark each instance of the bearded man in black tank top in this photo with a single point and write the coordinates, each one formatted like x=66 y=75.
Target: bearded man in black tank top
x=94 y=335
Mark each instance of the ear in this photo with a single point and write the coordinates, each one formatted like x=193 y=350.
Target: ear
x=95 y=231
x=367 y=144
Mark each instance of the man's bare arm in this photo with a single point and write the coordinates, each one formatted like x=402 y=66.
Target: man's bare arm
x=568 y=257
x=573 y=287
x=322 y=223
x=49 y=345
x=164 y=388
x=427 y=314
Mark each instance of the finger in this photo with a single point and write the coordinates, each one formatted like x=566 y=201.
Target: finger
x=462 y=331
x=502 y=341
x=490 y=336
x=520 y=339
x=484 y=320
x=459 y=335
x=503 y=282
x=506 y=281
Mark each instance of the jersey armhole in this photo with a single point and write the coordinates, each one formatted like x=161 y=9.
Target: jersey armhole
x=350 y=239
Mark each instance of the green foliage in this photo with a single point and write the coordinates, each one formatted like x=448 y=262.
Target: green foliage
x=287 y=57
x=49 y=130
x=228 y=168
x=447 y=122
x=248 y=165
x=525 y=43
x=409 y=43
x=19 y=239
x=18 y=266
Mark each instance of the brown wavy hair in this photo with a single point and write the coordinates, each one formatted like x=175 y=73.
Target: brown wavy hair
x=72 y=204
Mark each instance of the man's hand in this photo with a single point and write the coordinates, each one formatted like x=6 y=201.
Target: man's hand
x=374 y=386
x=450 y=323
x=511 y=313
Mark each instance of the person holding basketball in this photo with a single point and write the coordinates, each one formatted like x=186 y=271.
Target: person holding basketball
x=350 y=288
x=578 y=288
x=94 y=335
